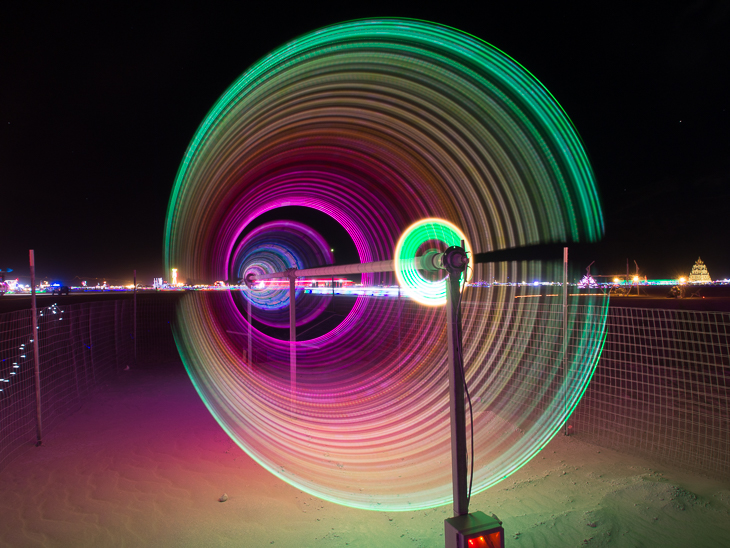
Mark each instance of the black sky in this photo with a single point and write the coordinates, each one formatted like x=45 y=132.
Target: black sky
x=97 y=106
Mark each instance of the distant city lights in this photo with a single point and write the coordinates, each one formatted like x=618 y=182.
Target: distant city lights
x=342 y=286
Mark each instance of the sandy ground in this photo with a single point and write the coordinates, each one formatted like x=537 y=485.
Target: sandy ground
x=143 y=464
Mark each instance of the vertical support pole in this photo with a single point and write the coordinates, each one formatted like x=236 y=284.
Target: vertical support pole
x=456 y=382
x=565 y=338
x=400 y=308
x=250 y=329
x=36 y=353
x=135 y=318
x=292 y=336
x=332 y=300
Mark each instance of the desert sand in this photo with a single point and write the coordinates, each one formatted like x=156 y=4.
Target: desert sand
x=143 y=463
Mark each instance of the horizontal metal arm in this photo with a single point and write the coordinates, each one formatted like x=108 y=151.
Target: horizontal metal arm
x=429 y=261
x=379 y=266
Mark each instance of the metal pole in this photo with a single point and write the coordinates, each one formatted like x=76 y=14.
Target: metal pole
x=135 y=318
x=565 y=336
x=250 y=330
x=400 y=309
x=292 y=336
x=456 y=387
x=36 y=355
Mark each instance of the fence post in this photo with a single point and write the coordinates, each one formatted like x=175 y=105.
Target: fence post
x=292 y=337
x=400 y=357
x=250 y=329
x=135 y=318
x=565 y=339
x=36 y=354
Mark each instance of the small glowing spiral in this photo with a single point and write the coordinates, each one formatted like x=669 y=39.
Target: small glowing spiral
x=274 y=247
x=418 y=238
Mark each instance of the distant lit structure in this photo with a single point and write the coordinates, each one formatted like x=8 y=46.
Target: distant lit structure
x=587 y=281
x=157 y=283
x=699 y=274
x=174 y=276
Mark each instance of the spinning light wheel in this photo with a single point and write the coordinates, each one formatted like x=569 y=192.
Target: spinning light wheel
x=381 y=124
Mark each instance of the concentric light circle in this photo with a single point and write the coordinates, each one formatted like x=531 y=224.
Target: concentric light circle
x=381 y=123
x=411 y=244
x=274 y=247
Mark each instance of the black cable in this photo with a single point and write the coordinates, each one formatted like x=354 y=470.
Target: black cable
x=466 y=388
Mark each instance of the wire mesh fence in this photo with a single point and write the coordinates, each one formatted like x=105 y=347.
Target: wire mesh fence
x=79 y=346
x=17 y=399
x=660 y=387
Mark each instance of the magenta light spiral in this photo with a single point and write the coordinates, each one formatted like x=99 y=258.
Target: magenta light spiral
x=380 y=124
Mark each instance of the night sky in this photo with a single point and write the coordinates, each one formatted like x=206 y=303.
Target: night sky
x=98 y=105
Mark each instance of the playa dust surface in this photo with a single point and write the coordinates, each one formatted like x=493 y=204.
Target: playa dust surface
x=143 y=463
